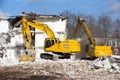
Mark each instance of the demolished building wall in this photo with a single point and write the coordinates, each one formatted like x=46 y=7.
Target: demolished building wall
x=4 y=26
x=5 y=42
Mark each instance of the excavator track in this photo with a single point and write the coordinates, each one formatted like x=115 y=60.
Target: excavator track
x=46 y=56
x=54 y=57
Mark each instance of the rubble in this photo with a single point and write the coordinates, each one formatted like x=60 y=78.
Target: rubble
x=104 y=63
x=66 y=69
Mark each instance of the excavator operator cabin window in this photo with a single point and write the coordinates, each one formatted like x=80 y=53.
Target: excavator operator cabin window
x=49 y=43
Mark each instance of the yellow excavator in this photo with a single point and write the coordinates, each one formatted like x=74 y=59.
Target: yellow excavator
x=51 y=44
x=92 y=50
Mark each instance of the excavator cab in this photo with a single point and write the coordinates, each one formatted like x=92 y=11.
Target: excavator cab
x=49 y=42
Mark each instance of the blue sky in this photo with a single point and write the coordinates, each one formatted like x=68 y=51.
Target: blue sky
x=92 y=7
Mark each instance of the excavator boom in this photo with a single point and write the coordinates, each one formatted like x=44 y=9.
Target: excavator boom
x=82 y=23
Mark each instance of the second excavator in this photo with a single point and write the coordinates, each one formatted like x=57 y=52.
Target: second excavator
x=92 y=50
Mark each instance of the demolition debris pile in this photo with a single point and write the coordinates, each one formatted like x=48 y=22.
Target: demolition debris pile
x=99 y=69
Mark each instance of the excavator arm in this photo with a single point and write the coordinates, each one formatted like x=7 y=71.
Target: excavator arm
x=82 y=23
x=26 y=35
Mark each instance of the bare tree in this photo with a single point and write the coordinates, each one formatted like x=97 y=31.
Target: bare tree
x=116 y=32
x=99 y=27
x=91 y=22
x=71 y=22
x=104 y=24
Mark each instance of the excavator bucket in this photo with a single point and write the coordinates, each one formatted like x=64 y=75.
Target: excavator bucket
x=24 y=58
x=27 y=55
x=102 y=51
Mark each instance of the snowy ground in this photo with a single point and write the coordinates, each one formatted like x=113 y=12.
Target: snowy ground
x=56 y=70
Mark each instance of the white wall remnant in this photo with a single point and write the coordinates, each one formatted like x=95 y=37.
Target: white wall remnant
x=4 y=26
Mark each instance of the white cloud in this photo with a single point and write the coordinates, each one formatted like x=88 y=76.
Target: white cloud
x=4 y=15
x=115 y=8
x=114 y=5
